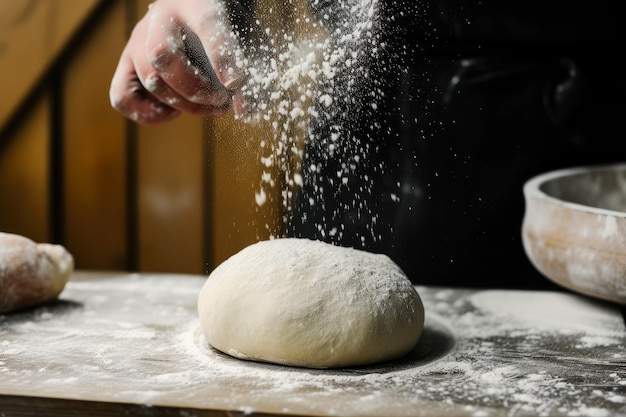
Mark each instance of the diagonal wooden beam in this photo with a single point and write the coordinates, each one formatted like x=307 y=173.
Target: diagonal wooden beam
x=33 y=35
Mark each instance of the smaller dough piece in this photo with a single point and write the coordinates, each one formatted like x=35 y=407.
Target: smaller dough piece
x=307 y=303
x=31 y=273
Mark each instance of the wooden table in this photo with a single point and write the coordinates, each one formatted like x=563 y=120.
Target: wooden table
x=128 y=344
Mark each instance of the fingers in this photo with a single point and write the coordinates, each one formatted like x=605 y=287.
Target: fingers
x=171 y=74
x=165 y=71
x=127 y=93
x=129 y=97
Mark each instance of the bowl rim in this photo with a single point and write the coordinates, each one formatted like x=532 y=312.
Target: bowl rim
x=532 y=187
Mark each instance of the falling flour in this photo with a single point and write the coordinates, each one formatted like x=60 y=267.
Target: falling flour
x=284 y=75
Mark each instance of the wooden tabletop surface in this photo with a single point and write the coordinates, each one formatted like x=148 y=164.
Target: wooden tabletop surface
x=129 y=344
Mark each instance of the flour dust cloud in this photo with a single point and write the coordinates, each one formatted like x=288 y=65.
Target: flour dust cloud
x=308 y=71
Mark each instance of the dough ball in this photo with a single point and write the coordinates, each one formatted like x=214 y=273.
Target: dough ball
x=307 y=303
x=31 y=273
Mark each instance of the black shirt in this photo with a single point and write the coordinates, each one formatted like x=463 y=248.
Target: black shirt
x=471 y=100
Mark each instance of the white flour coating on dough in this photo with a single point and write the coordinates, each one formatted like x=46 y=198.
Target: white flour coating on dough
x=31 y=273
x=309 y=303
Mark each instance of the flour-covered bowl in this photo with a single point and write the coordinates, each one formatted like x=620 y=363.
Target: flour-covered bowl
x=574 y=229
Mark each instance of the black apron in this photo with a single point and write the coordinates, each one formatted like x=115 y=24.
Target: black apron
x=461 y=105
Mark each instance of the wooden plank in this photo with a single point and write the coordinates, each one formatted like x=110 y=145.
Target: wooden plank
x=32 y=34
x=24 y=180
x=170 y=206
x=234 y=176
x=95 y=150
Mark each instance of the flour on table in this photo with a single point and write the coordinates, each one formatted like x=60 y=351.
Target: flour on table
x=476 y=357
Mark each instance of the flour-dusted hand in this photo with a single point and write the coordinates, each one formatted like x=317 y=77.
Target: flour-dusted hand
x=182 y=57
x=31 y=273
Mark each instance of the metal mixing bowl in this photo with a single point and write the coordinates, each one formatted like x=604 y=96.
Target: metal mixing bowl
x=574 y=229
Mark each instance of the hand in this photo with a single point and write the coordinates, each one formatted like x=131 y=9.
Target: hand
x=180 y=58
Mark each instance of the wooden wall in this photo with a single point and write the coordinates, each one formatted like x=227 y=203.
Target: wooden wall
x=178 y=197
